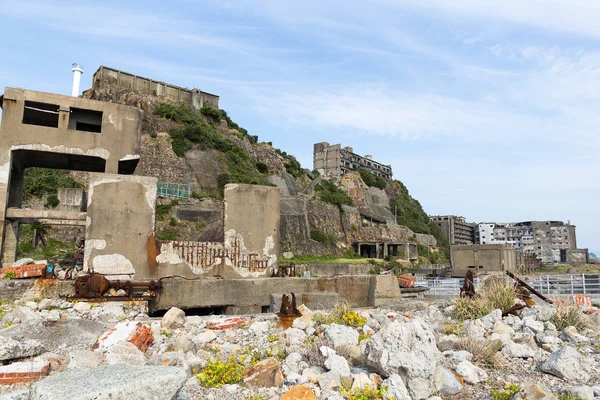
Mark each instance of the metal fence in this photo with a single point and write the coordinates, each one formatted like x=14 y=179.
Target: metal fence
x=545 y=284
x=174 y=190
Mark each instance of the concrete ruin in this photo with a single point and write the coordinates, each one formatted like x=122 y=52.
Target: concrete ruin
x=482 y=258
x=53 y=131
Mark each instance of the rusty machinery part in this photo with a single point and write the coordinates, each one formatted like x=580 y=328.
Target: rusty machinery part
x=288 y=309
x=468 y=289
x=95 y=286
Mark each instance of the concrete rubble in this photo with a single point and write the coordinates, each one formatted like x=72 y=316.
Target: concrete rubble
x=406 y=353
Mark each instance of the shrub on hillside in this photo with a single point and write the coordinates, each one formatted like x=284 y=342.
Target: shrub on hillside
x=496 y=293
x=370 y=179
x=329 y=193
x=322 y=237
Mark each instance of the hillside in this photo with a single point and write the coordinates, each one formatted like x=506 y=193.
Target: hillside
x=206 y=149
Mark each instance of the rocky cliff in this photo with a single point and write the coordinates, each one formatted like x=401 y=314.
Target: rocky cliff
x=206 y=150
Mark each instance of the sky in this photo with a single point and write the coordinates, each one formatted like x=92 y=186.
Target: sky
x=484 y=109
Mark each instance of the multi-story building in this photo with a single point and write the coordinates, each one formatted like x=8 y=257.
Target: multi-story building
x=550 y=241
x=333 y=161
x=456 y=229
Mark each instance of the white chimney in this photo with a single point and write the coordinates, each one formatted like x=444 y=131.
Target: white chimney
x=77 y=71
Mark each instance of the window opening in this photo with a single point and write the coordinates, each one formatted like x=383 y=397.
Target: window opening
x=41 y=114
x=85 y=120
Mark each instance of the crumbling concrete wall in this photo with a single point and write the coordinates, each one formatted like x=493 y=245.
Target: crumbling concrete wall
x=120 y=225
x=252 y=214
x=578 y=256
x=482 y=258
x=249 y=246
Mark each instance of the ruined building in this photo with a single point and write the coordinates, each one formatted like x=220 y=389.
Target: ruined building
x=195 y=98
x=456 y=229
x=550 y=241
x=333 y=161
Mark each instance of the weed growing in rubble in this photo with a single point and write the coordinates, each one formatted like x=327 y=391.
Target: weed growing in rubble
x=485 y=354
x=363 y=336
x=367 y=393
x=10 y=275
x=341 y=313
x=505 y=394
x=221 y=372
x=273 y=338
x=495 y=294
x=569 y=315
x=452 y=328
x=257 y=356
x=168 y=334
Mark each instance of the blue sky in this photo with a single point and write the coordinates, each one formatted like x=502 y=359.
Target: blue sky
x=486 y=109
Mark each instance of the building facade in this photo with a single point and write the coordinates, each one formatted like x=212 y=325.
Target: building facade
x=456 y=229
x=550 y=241
x=482 y=258
x=333 y=161
x=195 y=98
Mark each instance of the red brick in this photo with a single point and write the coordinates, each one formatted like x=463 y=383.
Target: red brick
x=226 y=323
x=26 y=271
x=25 y=371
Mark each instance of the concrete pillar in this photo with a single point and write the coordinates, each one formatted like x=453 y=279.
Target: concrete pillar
x=385 y=250
x=112 y=166
x=17 y=180
x=407 y=251
x=11 y=243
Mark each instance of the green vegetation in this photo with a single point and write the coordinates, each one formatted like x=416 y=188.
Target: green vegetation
x=41 y=181
x=10 y=275
x=162 y=210
x=262 y=167
x=218 y=373
x=485 y=354
x=215 y=115
x=52 y=200
x=455 y=328
x=257 y=355
x=292 y=166
x=409 y=213
x=370 y=179
x=322 y=237
x=496 y=294
x=329 y=193
x=341 y=314
x=505 y=394
x=54 y=249
x=570 y=315
x=166 y=234
x=197 y=132
x=347 y=258
x=367 y=393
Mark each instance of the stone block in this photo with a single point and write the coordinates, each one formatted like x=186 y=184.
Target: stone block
x=314 y=301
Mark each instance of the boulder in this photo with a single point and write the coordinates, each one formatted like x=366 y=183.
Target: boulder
x=82 y=307
x=396 y=390
x=85 y=359
x=455 y=357
x=48 y=304
x=503 y=329
x=407 y=349
x=361 y=382
x=313 y=373
x=125 y=353
x=488 y=321
x=338 y=365
x=11 y=349
x=299 y=392
x=471 y=373
x=570 y=334
x=259 y=328
x=533 y=391
x=446 y=382
x=266 y=373
x=581 y=392
x=205 y=337
x=174 y=318
x=115 y=382
x=517 y=350
x=183 y=344
x=569 y=364
x=534 y=325
x=340 y=335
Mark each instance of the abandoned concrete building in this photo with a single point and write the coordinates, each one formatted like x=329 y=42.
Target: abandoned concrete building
x=456 y=229
x=482 y=258
x=333 y=161
x=195 y=98
x=550 y=241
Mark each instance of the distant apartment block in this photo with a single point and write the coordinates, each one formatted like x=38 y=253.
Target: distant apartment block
x=456 y=229
x=333 y=161
x=195 y=98
x=550 y=241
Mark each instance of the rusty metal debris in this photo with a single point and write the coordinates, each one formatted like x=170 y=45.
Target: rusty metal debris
x=285 y=270
x=524 y=285
x=95 y=286
x=468 y=289
x=287 y=312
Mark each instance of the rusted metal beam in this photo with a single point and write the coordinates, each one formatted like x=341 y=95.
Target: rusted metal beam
x=532 y=290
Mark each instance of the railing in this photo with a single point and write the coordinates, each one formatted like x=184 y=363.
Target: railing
x=546 y=284
x=174 y=190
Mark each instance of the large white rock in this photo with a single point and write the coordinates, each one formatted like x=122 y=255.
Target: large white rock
x=115 y=382
x=472 y=373
x=517 y=350
x=533 y=391
x=82 y=307
x=125 y=353
x=174 y=318
x=581 y=392
x=455 y=357
x=85 y=359
x=569 y=364
x=446 y=382
x=487 y=322
x=534 y=325
x=338 y=365
x=408 y=349
x=205 y=337
x=340 y=335
x=259 y=328
x=11 y=349
x=396 y=390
